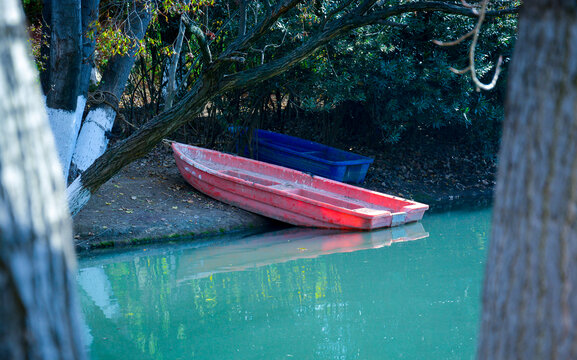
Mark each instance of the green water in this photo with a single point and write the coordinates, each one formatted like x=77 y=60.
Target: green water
x=404 y=293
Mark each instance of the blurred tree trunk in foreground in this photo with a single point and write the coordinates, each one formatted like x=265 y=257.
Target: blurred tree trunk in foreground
x=529 y=304
x=38 y=312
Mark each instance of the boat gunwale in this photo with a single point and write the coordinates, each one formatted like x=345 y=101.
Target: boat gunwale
x=284 y=193
x=413 y=206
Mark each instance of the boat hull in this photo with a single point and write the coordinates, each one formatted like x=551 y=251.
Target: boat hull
x=289 y=195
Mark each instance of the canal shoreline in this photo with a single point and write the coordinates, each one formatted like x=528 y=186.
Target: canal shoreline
x=149 y=202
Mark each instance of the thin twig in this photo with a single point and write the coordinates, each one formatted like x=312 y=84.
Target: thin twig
x=274 y=46
x=460 y=72
x=455 y=42
x=475 y=34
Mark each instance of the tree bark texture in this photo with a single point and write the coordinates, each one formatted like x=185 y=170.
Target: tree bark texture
x=62 y=100
x=529 y=301
x=38 y=310
x=65 y=55
x=89 y=13
x=171 y=86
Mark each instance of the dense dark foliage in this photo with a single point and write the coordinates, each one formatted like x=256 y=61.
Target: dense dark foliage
x=382 y=84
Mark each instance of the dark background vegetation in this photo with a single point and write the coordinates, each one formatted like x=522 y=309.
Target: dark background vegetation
x=383 y=90
x=379 y=87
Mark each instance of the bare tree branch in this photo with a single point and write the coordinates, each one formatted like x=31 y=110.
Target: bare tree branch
x=197 y=59
x=475 y=33
x=455 y=42
x=263 y=50
x=201 y=40
x=436 y=6
x=242 y=43
x=335 y=11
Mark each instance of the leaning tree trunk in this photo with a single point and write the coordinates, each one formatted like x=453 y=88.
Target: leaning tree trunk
x=38 y=312
x=93 y=137
x=529 y=302
x=62 y=101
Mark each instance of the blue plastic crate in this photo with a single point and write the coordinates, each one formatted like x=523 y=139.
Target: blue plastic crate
x=309 y=156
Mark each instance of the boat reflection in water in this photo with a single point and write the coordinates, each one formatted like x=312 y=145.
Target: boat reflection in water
x=286 y=245
x=145 y=302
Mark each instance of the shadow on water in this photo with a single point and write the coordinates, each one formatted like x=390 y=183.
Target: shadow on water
x=478 y=201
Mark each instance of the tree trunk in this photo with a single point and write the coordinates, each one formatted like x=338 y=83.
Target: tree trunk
x=242 y=18
x=45 y=45
x=89 y=12
x=529 y=305
x=138 y=144
x=62 y=99
x=93 y=140
x=171 y=86
x=38 y=311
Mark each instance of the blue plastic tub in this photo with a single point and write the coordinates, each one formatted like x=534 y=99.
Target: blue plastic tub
x=309 y=156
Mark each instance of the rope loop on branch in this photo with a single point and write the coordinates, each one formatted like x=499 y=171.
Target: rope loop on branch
x=99 y=97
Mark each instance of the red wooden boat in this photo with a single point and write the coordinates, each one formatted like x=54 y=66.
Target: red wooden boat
x=290 y=195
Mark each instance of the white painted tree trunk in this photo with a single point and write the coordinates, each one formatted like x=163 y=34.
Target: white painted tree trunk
x=38 y=309
x=63 y=103
x=65 y=127
x=95 y=283
x=78 y=195
x=92 y=141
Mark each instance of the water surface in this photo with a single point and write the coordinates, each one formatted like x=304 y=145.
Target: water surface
x=411 y=292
